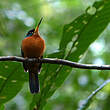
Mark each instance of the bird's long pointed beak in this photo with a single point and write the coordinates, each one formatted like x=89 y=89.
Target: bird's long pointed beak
x=37 y=27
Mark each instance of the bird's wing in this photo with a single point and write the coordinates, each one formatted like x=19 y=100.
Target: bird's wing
x=40 y=65
x=22 y=53
x=24 y=63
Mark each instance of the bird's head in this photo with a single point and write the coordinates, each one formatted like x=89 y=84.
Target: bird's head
x=34 y=31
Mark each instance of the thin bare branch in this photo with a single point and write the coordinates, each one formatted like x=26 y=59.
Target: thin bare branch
x=56 y=61
x=87 y=102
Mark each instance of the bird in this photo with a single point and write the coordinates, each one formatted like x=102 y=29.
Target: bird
x=33 y=46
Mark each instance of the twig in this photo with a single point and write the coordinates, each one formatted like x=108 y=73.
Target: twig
x=56 y=61
x=90 y=97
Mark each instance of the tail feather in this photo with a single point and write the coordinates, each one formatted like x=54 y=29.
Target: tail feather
x=33 y=82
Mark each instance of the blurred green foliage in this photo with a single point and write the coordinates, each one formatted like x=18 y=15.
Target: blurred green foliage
x=17 y=17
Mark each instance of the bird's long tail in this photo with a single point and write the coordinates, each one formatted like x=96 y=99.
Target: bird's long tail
x=33 y=82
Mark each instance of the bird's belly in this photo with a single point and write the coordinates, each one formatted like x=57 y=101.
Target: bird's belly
x=33 y=51
x=33 y=48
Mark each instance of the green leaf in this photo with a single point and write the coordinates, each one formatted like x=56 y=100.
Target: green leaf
x=12 y=79
x=94 y=27
x=80 y=33
x=2 y=107
x=85 y=29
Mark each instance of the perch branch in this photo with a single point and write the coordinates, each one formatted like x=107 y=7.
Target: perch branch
x=56 y=61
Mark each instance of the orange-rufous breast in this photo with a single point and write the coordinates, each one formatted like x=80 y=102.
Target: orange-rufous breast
x=33 y=47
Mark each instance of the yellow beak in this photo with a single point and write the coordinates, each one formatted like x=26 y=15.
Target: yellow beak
x=37 y=27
